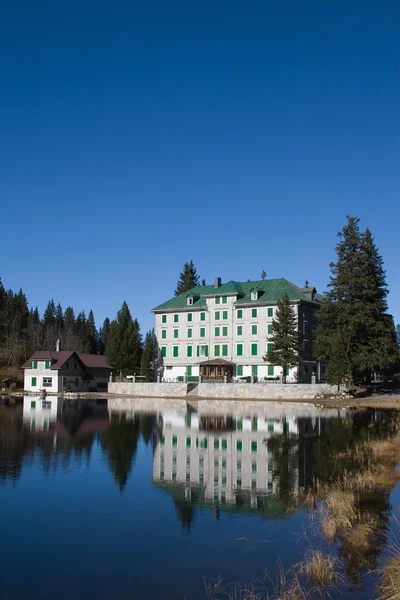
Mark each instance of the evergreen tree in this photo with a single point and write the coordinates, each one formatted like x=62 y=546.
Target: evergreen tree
x=188 y=279
x=69 y=340
x=263 y=275
x=49 y=327
x=120 y=443
x=355 y=305
x=59 y=321
x=103 y=335
x=123 y=350
x=285 y=337
x=398 y=335
x=339 y=369
x=149 y=355
x=91 y=333
x=82 y=341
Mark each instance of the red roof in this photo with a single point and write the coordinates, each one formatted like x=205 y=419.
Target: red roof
x=90 y=361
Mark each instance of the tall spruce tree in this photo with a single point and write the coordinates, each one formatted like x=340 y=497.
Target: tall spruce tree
x=339 y=369
x=285 y=351
x=91 y=333
x=188 y=279
x=355 y=306
x=149 y=356
x=103 y=335
x=398 y=335
x=123 y=350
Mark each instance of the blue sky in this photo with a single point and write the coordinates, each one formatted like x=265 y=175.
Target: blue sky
x=136 y=136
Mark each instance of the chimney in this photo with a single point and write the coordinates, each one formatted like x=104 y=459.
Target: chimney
x=217 y=282
x=58 y=346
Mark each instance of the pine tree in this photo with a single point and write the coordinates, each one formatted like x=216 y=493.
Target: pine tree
x=355 y=305
x=123 y=350
x=339 y=369
x=285 y=338
x=69 y=339
x=91 y=333
x=103 y=335
x=263 y=275
x=188 y=279
x=49 y=327
x=59 y=320
x=149 y=356
x=398 y=335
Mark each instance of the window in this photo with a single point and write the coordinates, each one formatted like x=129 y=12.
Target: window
x=34 y=364
x=239 y=466
x=239 y=330
x=203 y=350
x=305 y=328
x=174 y=440
x=239 y=313
x=202 y=316
x=254 y=295
x=162 y=440
x=270 y=370
x=189 y=350
x=217 y=315
x=189 y=316
x=33 y=381
x=175 y=351
x=254 y=312
x=224 y=299
x=254 y=424
x=269 y=347
x=47 y=364
x=239 y=370
x=225 y=315
x=216 y=331
x=190 y=332
x=47 y=381
x=254 y=330
x=176 y=318
x=176 y=333
x=216 y=350
x=217 y=300
x=224 y=447
x=239 y=349
x=67 y=366
x=239 y=483
x=270 y=312
x=254 y=349
x=239 y=445
x=189 y=373
x=305 y=311
x=216 y=444
x=202 y=332
x=163 y=318
x=254 y=467
x=33 y=404
x=189 y=301
x=271 y=427
x=224 y=331
x=269 y=329
x=254 y=446
x=163 y=334
x=188 y=442
x=239 y=424
x=164 y=351
x=254 y=370
x=224 y=349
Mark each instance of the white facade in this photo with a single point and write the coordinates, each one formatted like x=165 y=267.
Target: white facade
x=40 y=414
x=71 y=376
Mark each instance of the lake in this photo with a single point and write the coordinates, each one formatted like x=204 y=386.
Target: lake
x=144 y=498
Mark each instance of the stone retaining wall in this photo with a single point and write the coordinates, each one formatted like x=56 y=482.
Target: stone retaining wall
x=150 y=390
x=267 y=391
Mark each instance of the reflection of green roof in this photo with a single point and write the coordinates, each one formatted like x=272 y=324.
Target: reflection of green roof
x=270 y=290
x=267 y=505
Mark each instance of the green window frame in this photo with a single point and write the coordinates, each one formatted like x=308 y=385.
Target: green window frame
x=33 y=403
x=216 y=444
x=217 y=350
x=176 y=318
x=164 y=351
x=239 y=445
x=188 y=442
x=33 y=381
x=224 y=299
x=254 y=370
x=202 y=316
x=239 y=330
x=217 y=299
x=269 y=347
x=271 y=427
x=216 y=331
x=270 y=312
x=175 y=351
x=254 y=446
x=271 y=370
x=239 y=370
x=189 y=371
x=225 y=331
x=239 y=313
x=190 y=332
x=163 y=318
x=174 y=440
x=202 y=332
x=163 y=334
x=254 y=349
x=239 y=424
x=47 y=364
x=34 y=364
x=224 y=447
x=176 y=333
x=225 y=315
x=254 y=424
x=224 y=349
x=189 y=353
x=239 y=349
x=254 y=313
x=190 y=317
x=254 y=330
x=269 y=328
x=217 y=315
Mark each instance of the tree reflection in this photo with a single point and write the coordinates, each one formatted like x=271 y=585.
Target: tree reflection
x=120 y=443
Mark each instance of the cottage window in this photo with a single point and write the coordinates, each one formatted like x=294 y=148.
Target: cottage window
x=67 y=365
x=47 y=381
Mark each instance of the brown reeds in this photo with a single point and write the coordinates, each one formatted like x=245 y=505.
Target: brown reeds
x=320 y=568
x=389 y=588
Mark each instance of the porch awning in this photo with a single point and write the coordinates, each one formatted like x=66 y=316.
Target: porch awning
x=217 y=362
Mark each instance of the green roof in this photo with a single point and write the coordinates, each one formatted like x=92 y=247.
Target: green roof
x=270 y=290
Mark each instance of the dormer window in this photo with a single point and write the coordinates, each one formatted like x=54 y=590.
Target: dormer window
x=254 y=294
x=190 y=300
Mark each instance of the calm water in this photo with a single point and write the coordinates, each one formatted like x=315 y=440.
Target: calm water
x=146 y=498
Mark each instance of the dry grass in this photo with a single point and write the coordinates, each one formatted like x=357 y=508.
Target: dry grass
x=389 y=588
x=320 y=568
x=360 y=537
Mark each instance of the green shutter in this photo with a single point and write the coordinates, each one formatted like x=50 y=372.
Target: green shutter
x=269 y=347
x=254 y=330
x=216 y=331
x=189 y=316
x=269 y=328
x=176 y=333
x=189 y=369
x=202 y=316
x=189 y=332
x=225 y=315
x=224 y=447
x=33 y=381
x=198 y=350
x=163 y=318
x=254 y=424
x=216 y=444
x=224 y=349
x=164 y=334
x=239 y=424
x=34 y=364
x=176 y=318
x=287 y=372
x=217 y=300
x=254 y=370
x=174 y=440
x=216 y=350
x=239 y=370
x=270 y=370
x=239 y=349
x=224 y=299
x=189 y=351
x=224 y=331
x=206 y=350
x=254 y=349
x=254 y=312
x=239 y=330
x=217 y=315
x=239 y=313
x=202 y=332
x=239 y=445
x=271 y=427
x=164 y=351
x=175 y=351
x=254 y=446
x=270 y=312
